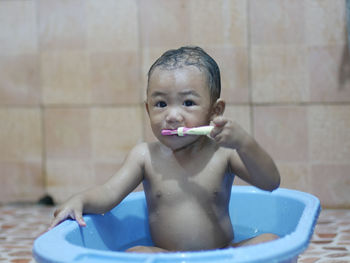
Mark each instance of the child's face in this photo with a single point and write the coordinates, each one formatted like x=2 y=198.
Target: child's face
x=178 y=98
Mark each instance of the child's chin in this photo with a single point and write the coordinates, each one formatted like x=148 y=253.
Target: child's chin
x=175 y=142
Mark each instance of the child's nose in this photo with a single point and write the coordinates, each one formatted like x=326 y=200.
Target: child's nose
x=174 y=116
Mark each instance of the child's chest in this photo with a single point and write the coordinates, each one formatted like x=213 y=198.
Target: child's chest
x=168 y=179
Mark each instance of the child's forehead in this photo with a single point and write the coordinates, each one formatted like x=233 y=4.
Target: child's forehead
x=185 y=80
x=184 y=73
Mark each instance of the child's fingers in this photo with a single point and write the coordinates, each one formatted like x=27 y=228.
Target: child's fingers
x=59 y=217
x=219 y=121
x=79 y=218
x=215 y=131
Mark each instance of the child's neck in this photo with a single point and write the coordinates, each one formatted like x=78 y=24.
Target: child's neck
x=191 y=149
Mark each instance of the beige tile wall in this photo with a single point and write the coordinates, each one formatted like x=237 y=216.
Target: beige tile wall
x=73 y=78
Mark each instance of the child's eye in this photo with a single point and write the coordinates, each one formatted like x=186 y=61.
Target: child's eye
x=189 y=103
x=161 y=104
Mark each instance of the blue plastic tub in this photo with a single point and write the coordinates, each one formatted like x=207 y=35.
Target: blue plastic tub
x=288 y=213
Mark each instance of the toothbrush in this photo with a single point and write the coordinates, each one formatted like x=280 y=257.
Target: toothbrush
x=182 y=131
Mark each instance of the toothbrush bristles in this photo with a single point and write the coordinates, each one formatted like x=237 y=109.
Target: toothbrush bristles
x=169 y=132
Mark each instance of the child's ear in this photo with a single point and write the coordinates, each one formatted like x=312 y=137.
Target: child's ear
x=218 y=108
x=146 y=106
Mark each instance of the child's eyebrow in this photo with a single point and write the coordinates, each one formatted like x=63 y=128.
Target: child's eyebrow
x=182 y=93
x=189 y=92
x=158 y=93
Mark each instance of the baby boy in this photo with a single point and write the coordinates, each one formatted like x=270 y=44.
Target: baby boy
x=187 y=179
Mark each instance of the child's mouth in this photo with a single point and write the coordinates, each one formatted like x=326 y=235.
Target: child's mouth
x=169 y=132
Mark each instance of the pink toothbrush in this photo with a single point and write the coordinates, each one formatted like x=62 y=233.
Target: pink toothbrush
x=182 y=131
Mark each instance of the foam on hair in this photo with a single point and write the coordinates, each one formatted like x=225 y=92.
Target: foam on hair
x=191 y=56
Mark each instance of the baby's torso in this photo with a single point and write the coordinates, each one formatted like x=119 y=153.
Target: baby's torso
x=188 y=200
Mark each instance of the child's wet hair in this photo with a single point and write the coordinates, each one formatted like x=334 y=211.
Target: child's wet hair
x=191 y=56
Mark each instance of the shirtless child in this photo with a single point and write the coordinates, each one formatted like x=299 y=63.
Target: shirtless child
x=187 y=180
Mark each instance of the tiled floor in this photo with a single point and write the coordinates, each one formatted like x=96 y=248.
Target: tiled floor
x=21 y=224
x=331 y=240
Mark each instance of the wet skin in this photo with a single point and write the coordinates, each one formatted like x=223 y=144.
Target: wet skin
x=187 y=180
x=188 y=198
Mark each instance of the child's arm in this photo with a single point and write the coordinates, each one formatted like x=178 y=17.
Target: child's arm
x=103 y=198
x=254 y=165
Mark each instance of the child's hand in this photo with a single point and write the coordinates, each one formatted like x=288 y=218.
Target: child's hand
x=228 y=134
x=71 y=209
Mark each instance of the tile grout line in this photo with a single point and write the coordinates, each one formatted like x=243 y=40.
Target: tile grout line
x=140 y=72
x=129 y=105
x=41 y=106
x=250 y=88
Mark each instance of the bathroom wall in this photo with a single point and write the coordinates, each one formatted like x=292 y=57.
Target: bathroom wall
x=73 y=78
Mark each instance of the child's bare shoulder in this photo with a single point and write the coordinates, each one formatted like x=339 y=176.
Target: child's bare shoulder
x=153 y=147
x=144 y=150
x=137 y=154
x=230 y=155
